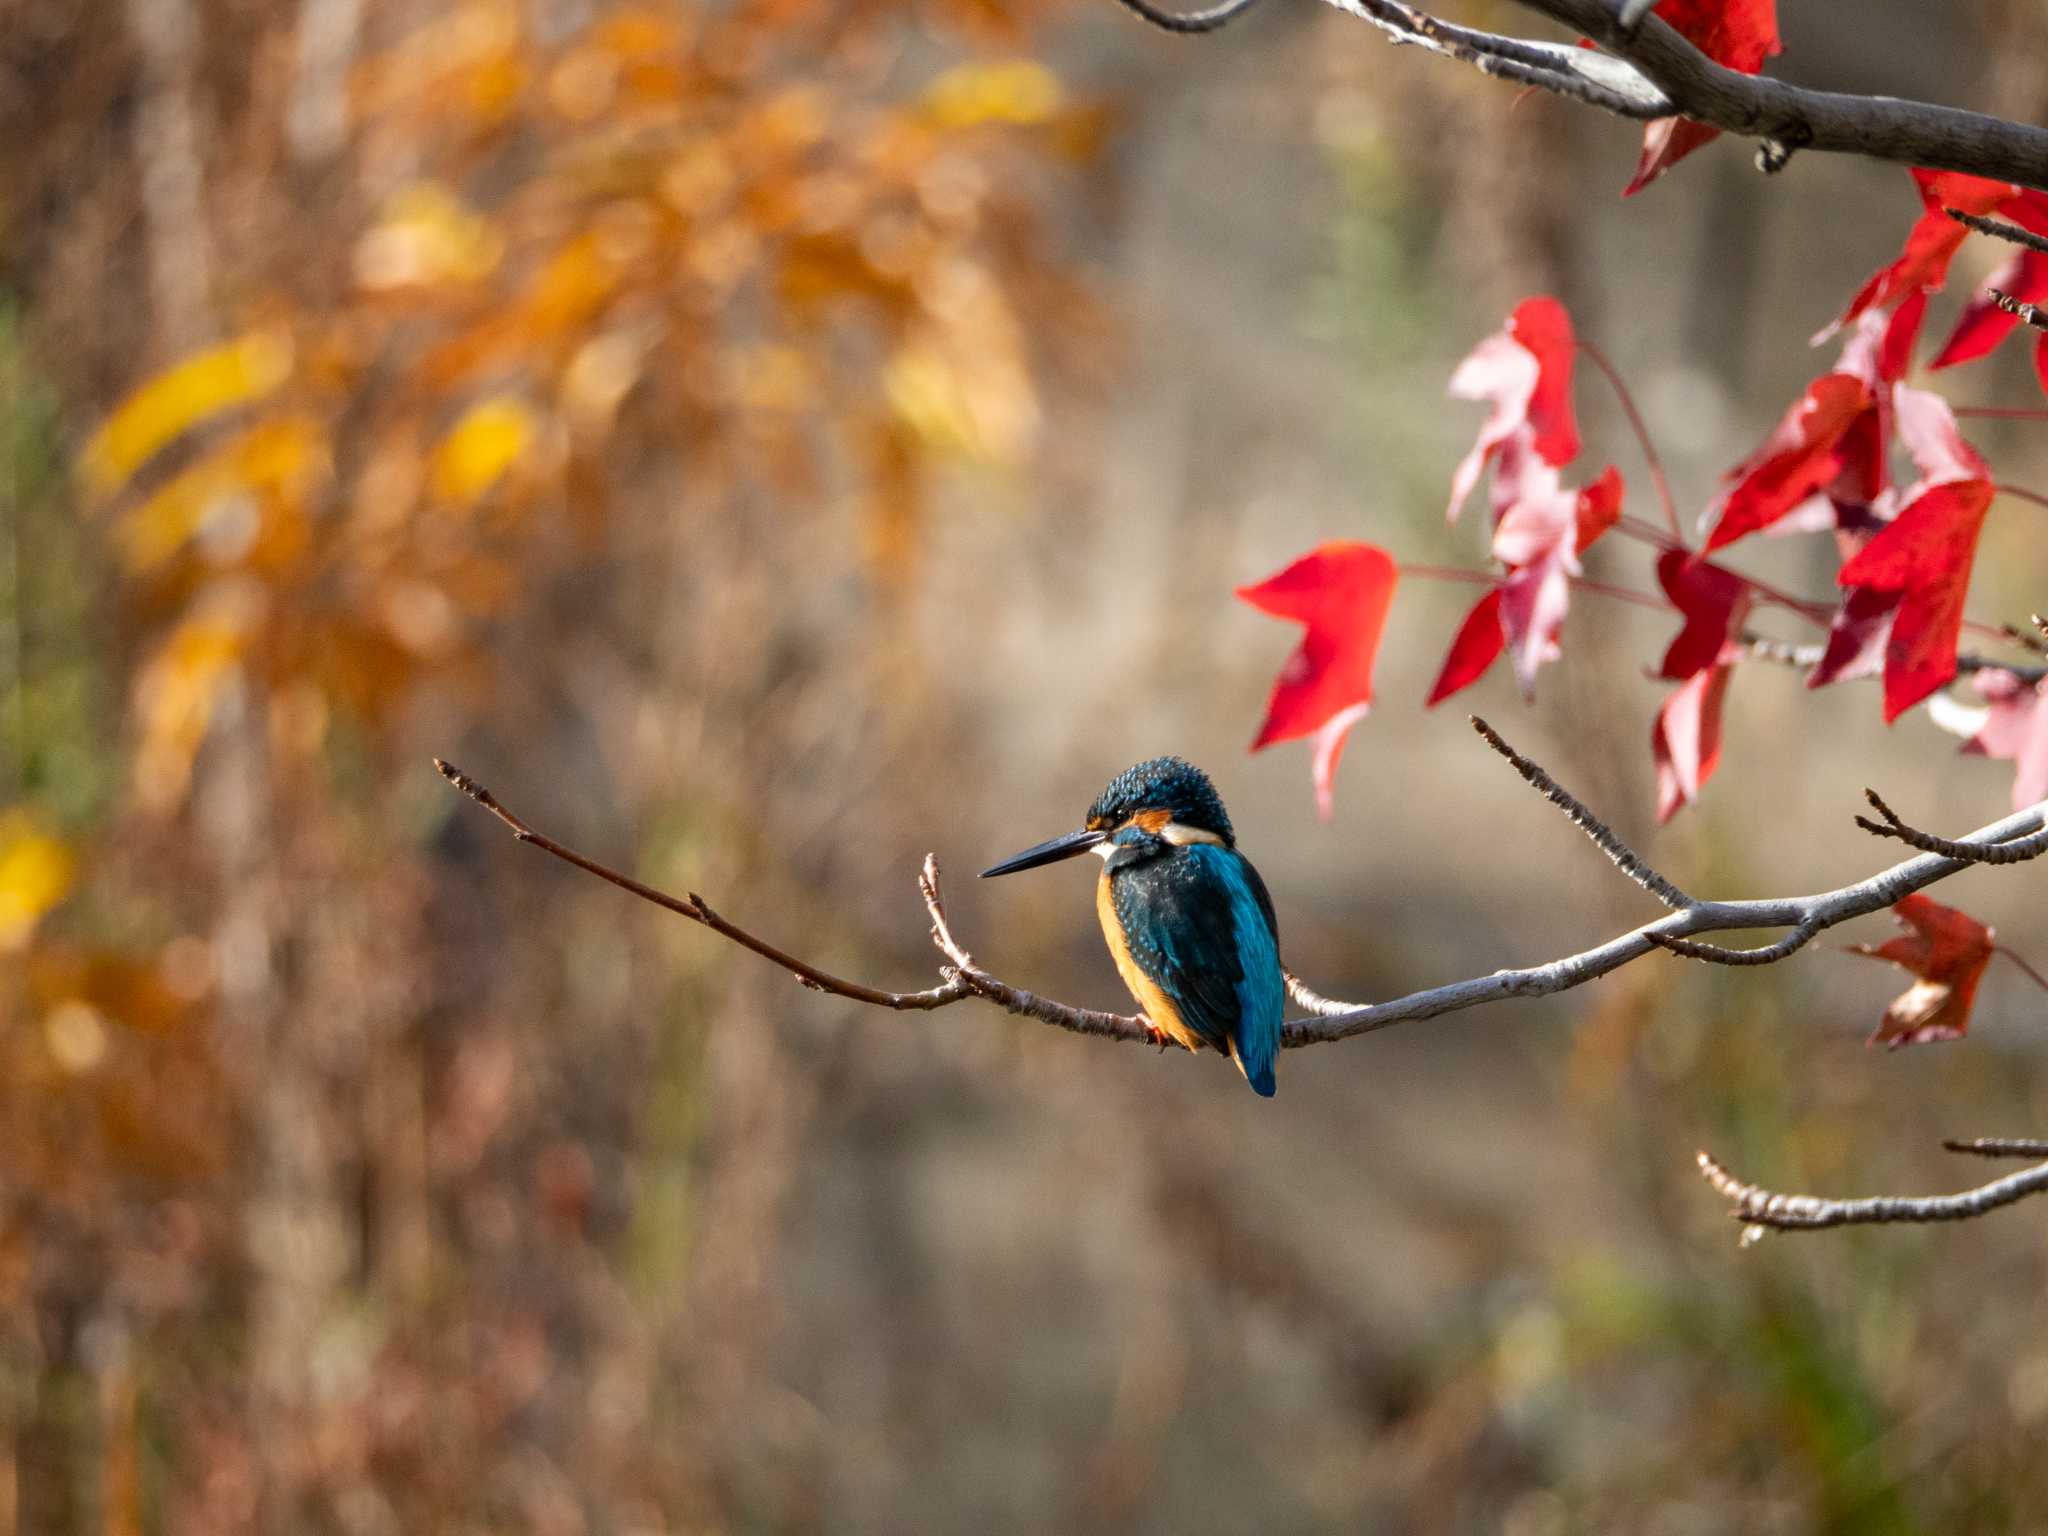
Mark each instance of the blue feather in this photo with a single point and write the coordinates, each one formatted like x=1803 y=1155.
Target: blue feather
x=1261 y=990
x=1200 y=926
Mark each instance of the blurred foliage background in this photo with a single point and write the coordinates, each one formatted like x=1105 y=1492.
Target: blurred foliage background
x=767 y=440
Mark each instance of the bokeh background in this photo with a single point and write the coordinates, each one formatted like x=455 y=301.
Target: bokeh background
x=765 y=442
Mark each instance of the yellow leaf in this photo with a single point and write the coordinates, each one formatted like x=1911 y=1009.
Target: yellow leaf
x=492 y=436
x=1016 y=91
x=35 y=873
x=200 y=387
x=276 y=460
x=178 y=689
x=427 y=237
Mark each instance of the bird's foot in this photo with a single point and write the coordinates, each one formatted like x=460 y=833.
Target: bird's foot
x=1159 y=1036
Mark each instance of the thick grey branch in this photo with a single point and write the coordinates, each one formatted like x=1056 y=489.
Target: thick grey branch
x=1760 y=1207
x=1650 y=71
x=1877 y=127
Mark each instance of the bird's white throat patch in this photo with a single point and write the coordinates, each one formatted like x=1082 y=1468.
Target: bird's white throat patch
x=1180 y=834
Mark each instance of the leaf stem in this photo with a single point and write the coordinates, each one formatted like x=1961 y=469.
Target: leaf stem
x=2033 y=975
x=1448 y=573
x=2021 y=493
x=1601 y=361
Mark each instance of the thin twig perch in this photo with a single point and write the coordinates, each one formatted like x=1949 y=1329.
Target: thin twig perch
x=1804 y=916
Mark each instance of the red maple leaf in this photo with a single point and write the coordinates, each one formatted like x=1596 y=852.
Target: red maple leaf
x=1825 y=464
x=1686 y=739
x=1475 y=647
x=1810 y=449
x=1341 y=591
x=1935 y=238
x=1924 y=555
x=1713 y=601
x=1738 y=34
x=1984 y=325
x=2016 y=728
x=1541 y=534
x=1947 y=951
x=1525 y=369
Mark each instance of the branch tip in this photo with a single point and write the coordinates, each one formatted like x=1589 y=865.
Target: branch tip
x=1619 y=853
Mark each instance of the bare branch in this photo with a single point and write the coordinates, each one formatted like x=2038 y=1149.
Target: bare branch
x=1585 y=76
x=1754 y=106
x=1188 y=22
x=2000 y=230
x=1603 y=836
x=1759 y=1207
x=962 y=978
x=2016 y=851
x=694 y=908
x=1650 y=71
x=1805 y=658
x=2000 y=1146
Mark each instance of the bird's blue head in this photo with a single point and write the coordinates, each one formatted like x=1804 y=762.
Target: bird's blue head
x=1162 y=803
x=1159 y=793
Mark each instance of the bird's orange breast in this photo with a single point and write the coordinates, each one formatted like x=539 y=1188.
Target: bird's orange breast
x=1158 y=1007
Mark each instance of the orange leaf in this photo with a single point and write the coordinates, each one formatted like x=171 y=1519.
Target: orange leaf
x=1947 y=950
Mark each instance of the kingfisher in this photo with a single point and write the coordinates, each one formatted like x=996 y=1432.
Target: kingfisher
x=1187 y=918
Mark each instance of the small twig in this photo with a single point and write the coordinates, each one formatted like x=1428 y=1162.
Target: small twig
x=1759 y=1207
x=2016 y=851
x=2030 y=641
x=1623 y=857
x=1999 y=1146
x=1715 y=954
x=1601 y=361
x=1188 y=23
x=694 y=908
x=1784 y=653
x=1999 y=229
x=2030 y=314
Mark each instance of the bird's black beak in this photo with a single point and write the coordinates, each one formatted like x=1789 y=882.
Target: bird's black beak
x=1047 y=853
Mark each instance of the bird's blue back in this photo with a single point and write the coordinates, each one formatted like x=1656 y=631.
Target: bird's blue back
x=1200 y=924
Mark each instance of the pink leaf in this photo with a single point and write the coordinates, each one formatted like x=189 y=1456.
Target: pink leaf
x=1525 y=369
x=2016 y=728
x=1686 y=740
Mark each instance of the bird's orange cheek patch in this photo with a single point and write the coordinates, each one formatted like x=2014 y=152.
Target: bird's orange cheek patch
x=1152 y=821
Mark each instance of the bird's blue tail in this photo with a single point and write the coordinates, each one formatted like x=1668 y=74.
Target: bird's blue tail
x=1259 y=1074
